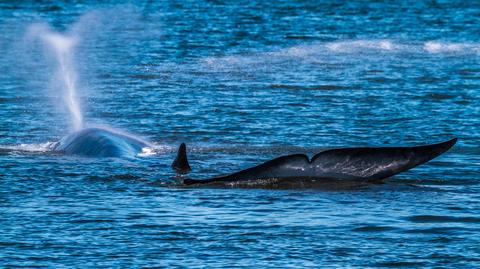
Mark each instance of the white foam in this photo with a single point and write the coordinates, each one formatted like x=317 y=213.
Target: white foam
x=386 y=45
x=445 y=47
x=300 y=51
x=147 y=151
x=155 y=149
x=361 y=45
x=43 y=147
x=339 y=51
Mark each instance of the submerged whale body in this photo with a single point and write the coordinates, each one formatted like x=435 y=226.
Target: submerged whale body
x=100 y=142
x=362 y=165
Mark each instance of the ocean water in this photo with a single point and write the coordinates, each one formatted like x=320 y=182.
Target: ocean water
x=240 y=82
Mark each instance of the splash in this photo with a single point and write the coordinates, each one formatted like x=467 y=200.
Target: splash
x=63 y=46
x=445 y=47
x=43 y=147
x=342 y=51
x=361 y=46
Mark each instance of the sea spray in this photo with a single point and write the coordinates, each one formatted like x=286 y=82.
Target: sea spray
x=62 y=46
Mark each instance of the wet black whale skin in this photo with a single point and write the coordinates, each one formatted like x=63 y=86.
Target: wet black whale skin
x=369 y=164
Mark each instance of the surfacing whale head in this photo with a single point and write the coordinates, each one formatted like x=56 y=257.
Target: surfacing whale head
x=100 y=142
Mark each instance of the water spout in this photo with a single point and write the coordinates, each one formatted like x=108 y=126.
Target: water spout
x=62 y=45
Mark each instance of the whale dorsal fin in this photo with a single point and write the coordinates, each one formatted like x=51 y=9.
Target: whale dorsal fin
x=180 y=164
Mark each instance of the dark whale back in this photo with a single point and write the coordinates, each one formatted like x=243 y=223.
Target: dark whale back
x=374 y=164
x=99 y=142
x=356 y=164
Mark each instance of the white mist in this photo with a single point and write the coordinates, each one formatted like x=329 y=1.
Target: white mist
x=62 y=46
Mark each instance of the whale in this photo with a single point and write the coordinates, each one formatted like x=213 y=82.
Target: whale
x=100 y=142
x=361 y=165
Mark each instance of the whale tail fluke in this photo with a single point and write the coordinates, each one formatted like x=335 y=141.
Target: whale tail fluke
x=180 y=164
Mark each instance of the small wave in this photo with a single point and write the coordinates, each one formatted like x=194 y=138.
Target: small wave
x=397 y=264
x=442 y=219
x=144 y=76
x=90 y=221
x=436 y=230
x=373 y=228
x=439 y=96
x=309 y=87
x=125 y=177
x=292 y=183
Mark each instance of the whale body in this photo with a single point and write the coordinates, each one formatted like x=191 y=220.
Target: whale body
x=100 y=142
x=363 y=165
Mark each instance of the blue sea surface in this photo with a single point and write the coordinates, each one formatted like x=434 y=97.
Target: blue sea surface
x=240 y=82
